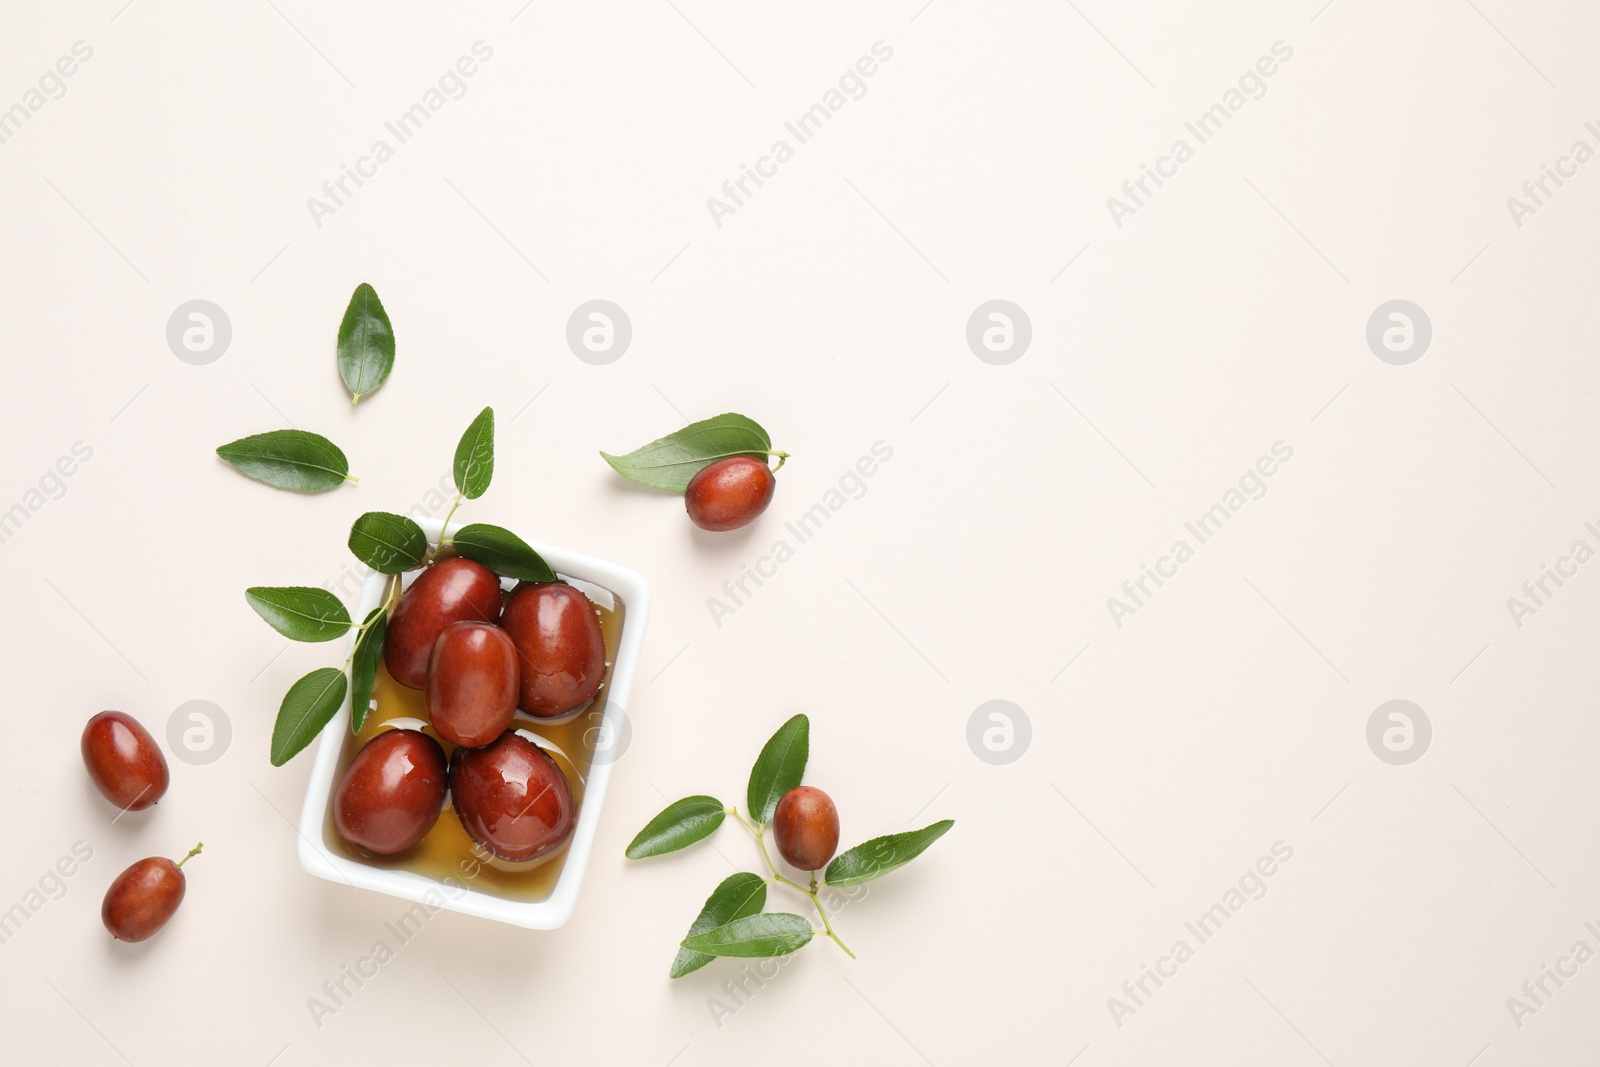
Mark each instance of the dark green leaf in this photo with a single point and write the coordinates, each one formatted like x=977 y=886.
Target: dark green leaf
x=296 y=460
x=881 y=855
x=306 y=709
x=502 y=552
x=366 y=343
x=388 y=543
x=779 y=768
x=300 y=612
x=775 y=933
x=679 y=826
x=475 y=456
x=364 y=665
x=738 y=895
x=669 y=463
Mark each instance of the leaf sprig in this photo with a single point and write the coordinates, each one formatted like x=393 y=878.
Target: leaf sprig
x=732 y=922
x=390 y=544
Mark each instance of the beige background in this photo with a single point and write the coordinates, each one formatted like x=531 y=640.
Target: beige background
x=1168 y=354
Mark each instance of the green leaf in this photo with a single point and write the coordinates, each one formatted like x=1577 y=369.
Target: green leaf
x=300 y=612
x=739 y=895
x=779 y=768
x=306 y=709
x=669 y=463
x=878 y=857
x=502 y=552
x=366 y=344
x=776 y=933
x=475 y=456
x=296 y=460
x=364 y=665
x=388 y=543
x=679 y=826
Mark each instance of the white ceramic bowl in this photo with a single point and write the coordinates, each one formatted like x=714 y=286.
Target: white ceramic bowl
x=325 y=859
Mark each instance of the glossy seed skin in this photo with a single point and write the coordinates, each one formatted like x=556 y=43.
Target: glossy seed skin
x=729 y=493
x=142 y=899
x=560 y=650
x=451 y=590
x=124 y=761
x=806 y=826
x=473 y=683
x=512 y=798
x=392 y=793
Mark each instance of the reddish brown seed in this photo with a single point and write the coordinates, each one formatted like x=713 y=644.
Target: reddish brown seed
x=512 y=798
x=124 y=761
x=142 y=899
x=392 y=793
x=473 y=683
x=806 y=825
x=729 y=493
x=451 y=590
x=561 y=651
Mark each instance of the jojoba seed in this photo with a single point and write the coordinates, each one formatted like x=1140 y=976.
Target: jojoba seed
x=729 y=493
x=512 y=798
x=806 y=825
x=392 y=793
x=561 y=651
x=473 y=683
x=451 y=590
x=144 y=897
x=124 y=761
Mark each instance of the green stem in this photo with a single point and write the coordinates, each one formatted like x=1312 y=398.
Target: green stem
x=444 y=529
x=193 y=852
x=353 y=479
x=829 y=926
x=758 y=832
x=389 y=598
x=783 y=457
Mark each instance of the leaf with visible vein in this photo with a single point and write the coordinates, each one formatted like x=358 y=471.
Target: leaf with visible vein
x=364 y=665
x=671 y=461
x=296 y=460
x=388 y=543
x=876 y=858
x=776 y=933
x=474 y=465
x=366 y=344
x=305 y=710
x=502 y=552
x=300 y=612
x=779 y=768
x=682 y=824
x=739 y=895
